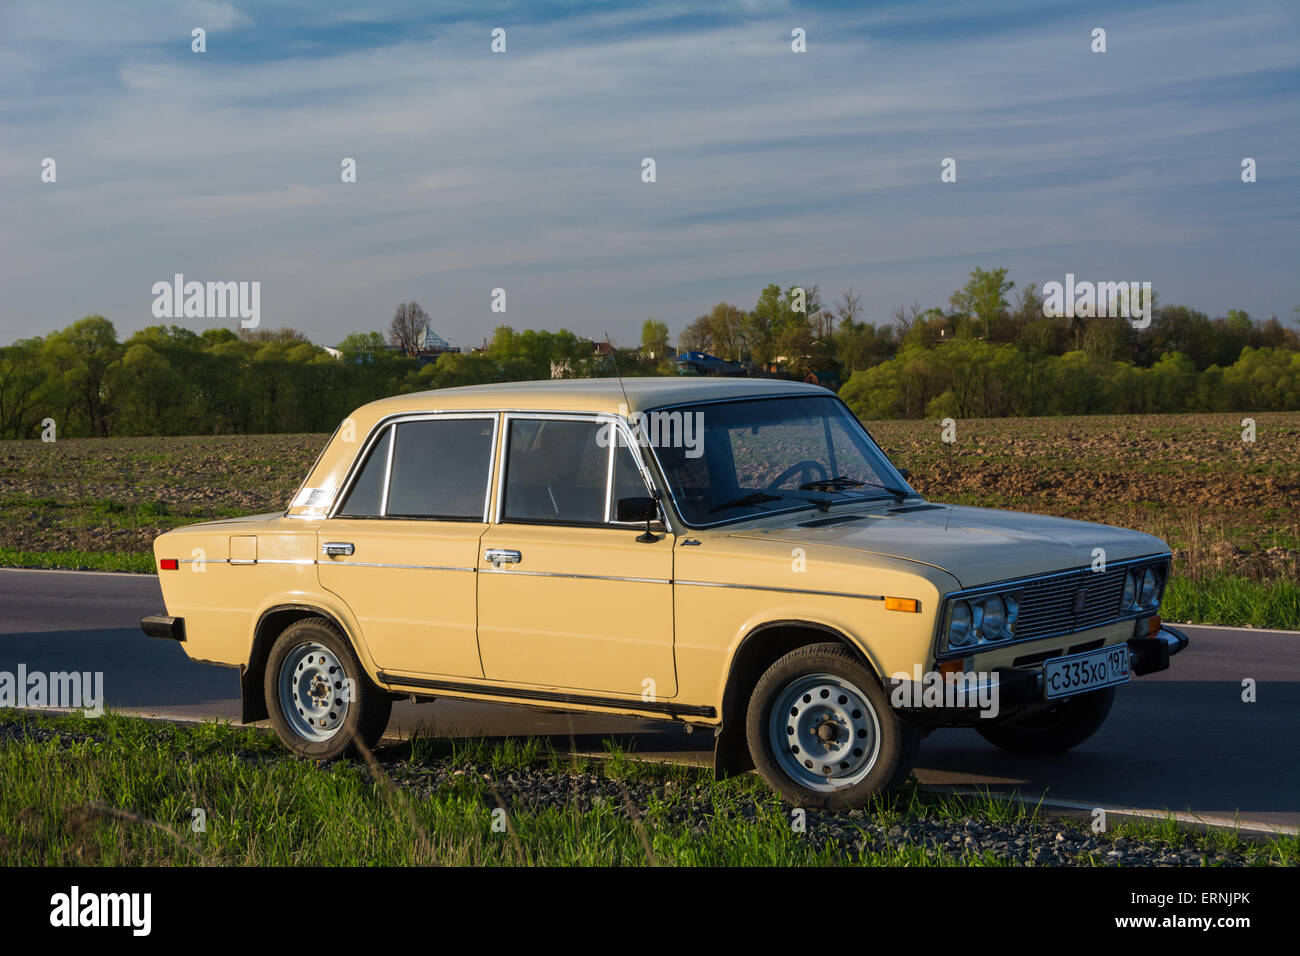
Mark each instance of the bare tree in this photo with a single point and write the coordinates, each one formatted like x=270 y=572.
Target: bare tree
x=905 y=319
x=698 y=336
x=849 y=309
x=409 y=321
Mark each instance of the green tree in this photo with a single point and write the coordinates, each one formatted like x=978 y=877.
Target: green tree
x=81 y=355
x=983 y=297
x=654 y=338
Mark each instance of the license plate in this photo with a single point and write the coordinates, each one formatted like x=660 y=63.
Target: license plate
x=1091 y=670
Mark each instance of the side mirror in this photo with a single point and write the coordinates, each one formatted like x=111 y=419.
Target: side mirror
x=905 y=473
x=636 y=509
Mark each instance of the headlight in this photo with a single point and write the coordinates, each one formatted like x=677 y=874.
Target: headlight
x=1130 y=591
x=985 y=619
x=960 y=631
x=995 y=615
x=1150 y=586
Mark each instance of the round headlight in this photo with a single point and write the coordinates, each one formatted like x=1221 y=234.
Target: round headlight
x=1149 y=584
x=1013 y=611
x=960 y=631
x=995 y=615
x=1130 y=591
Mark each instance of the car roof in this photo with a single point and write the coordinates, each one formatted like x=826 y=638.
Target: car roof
x=564 y=395
x=588 y=395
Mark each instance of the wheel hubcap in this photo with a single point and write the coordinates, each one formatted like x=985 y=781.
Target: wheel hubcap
x=313 y=692
x=824 y=732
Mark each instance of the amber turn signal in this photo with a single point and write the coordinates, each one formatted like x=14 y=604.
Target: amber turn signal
x=902 y=604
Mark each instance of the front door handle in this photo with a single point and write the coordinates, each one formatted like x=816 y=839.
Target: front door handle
x=500 y=556
x=337 y=548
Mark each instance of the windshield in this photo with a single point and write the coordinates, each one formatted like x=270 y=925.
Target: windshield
x=770 y=455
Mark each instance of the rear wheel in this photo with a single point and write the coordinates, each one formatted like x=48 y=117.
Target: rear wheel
x=822 y=733
x=1063 y=725
x=318 y=695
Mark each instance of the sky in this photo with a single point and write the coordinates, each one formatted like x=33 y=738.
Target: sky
x=523 y=170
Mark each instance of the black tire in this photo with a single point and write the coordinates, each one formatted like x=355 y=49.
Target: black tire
x=367 y=713
x=898 y=740
x=1061 y=727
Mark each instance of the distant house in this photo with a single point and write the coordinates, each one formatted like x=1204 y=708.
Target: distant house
x=669 y=352
x=430 y=341
x=429 y=345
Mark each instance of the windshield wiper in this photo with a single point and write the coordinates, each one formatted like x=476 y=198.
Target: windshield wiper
x=840 y=481
x=898 y=493
x=825 y=484
x=753 y=498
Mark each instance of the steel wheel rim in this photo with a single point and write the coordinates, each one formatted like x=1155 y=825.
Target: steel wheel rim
x=313 y=692
x=824 y=732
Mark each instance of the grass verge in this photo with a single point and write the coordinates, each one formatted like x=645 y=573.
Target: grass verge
x=124 y=791
x=1233 y=601
x=73 y=560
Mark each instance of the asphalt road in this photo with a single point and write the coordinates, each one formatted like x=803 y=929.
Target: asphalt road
x=1180 y=741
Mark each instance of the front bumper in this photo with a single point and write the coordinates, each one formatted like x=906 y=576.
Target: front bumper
x=1015 y=688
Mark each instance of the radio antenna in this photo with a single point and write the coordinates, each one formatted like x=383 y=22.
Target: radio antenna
x=613 y=355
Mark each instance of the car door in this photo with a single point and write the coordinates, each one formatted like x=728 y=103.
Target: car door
x=401 y=547
x=568 y=597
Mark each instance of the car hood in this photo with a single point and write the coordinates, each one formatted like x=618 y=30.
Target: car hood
x=975 y=545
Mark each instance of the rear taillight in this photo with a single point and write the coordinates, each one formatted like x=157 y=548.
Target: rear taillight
x=168 y=564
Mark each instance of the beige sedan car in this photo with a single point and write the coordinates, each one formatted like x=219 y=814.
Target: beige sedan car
x=735 y=555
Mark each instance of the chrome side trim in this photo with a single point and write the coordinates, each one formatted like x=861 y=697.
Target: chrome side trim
x=407 y=567
x=584 y=577
x=764 y=587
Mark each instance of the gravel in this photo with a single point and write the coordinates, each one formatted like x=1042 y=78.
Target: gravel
x=1047 y=843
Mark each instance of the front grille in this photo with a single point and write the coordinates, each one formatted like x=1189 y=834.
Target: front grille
x=1047 y=604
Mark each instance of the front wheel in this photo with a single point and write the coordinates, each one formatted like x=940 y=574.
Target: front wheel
x=1060 y=727
x=320 y=701
x=822 y=733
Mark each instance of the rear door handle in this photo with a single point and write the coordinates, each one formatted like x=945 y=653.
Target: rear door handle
x=500 y=556
x=336 y=548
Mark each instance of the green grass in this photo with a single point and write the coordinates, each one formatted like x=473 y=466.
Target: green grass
x=1234 y=601
x=121 y=791
x=78 y=560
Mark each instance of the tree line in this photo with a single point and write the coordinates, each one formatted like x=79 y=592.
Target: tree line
x=983 y=355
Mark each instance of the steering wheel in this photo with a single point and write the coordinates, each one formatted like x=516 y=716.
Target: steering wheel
x=802 y=468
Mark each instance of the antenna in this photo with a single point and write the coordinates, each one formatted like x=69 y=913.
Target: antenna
x=613 y=354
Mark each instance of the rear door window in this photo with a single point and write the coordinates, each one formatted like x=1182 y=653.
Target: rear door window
x=441 y=469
